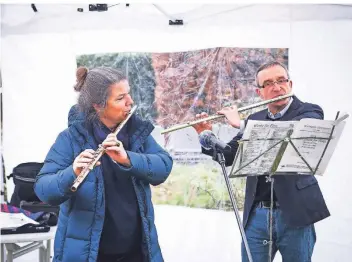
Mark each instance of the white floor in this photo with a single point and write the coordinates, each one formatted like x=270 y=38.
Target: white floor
x=199 y=235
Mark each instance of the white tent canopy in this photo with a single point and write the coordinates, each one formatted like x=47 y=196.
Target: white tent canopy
x=21 y=19
x=38 y=62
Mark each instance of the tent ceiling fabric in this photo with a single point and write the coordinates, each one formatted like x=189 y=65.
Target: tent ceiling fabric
x=51 y=18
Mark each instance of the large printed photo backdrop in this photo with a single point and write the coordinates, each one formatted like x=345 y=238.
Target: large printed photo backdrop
x=171 y=88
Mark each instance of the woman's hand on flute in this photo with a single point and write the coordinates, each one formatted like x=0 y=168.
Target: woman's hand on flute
x=116 y=151
x=206 y=125
x=232 y=116
x=83 y=160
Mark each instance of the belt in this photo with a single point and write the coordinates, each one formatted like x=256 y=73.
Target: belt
x=266 y=204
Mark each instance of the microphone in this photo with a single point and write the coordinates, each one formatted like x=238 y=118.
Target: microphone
x=208 y=140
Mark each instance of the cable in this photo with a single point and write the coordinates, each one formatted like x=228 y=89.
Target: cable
x=112 y=5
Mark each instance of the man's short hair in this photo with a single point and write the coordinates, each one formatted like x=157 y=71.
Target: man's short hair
x=268 y=65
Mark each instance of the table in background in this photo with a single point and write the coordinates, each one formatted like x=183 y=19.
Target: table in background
x=35 y=240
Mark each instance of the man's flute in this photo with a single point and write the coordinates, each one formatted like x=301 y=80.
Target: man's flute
x=97 y=155
x=241 y=109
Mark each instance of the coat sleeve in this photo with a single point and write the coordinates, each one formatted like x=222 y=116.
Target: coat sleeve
x=153 y=165
x=56 y=177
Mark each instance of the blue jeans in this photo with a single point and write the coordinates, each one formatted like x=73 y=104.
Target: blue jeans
x=294 y=243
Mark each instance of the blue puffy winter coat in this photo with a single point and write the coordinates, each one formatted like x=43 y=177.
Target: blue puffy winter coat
x=81 y=216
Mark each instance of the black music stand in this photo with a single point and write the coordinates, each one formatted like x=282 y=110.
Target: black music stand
x=278 y=156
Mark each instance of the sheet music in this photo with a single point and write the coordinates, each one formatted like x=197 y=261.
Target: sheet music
x=13 y=220
x=311 y=149
x=261 y=130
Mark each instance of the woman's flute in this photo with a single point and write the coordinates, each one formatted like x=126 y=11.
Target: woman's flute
x=241 y=109
x=97 y=155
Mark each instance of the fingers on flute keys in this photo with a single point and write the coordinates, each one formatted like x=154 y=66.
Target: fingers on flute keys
x=205 y=125
x=111 y=143
x=232 y=115
x=83 y=160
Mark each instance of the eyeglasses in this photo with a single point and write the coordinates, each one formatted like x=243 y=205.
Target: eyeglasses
x=272 y=83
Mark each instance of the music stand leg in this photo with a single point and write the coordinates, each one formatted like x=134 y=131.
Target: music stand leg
x=271 y=179
x=221 y=160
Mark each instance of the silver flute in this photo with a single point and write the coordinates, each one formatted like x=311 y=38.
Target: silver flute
x=97 y=155
x=241 y=109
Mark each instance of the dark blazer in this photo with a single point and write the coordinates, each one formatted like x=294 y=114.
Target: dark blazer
x=299 y=197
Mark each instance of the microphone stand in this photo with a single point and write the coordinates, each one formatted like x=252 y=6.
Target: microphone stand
x=218 y=156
